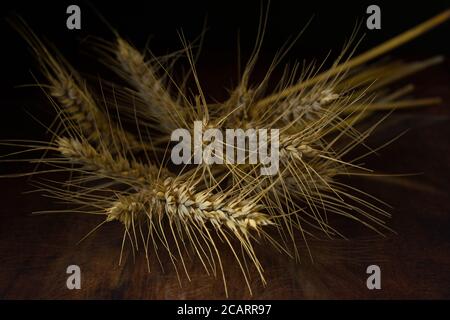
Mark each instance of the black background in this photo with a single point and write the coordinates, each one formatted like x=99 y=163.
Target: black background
x=158 y=23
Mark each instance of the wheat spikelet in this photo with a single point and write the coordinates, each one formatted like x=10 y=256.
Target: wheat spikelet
x=308 y=107
x=73 y=98
x=176 y=200
x=160 y=105
x=81 y=109
x=159 y=196
x=104 y=163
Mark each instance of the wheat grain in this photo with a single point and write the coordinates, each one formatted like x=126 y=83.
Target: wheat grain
x=181 y=202
x=308 y=107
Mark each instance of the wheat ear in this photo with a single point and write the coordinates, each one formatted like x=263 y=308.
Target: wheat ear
x=161 y=108
x=73 y=97
x=104 y=163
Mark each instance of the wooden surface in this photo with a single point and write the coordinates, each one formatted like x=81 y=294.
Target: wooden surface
x=415 y=263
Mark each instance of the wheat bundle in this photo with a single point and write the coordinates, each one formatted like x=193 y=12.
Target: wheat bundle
x=113 y=174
